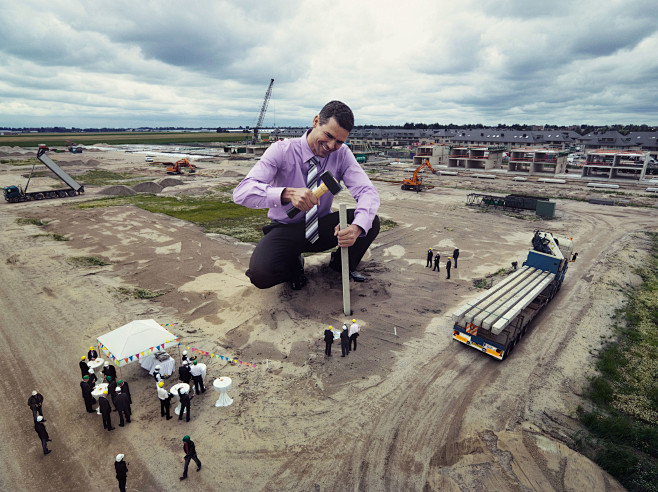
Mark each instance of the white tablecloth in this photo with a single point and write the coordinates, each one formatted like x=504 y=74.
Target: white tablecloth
x=97 y=391
x=167 y=366
x=93 y=364
x=222 y=385
x=174 y=391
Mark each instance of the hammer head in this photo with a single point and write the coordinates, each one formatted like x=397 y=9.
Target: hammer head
x=331 y=183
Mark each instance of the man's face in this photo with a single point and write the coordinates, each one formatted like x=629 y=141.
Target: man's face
x=324 y=139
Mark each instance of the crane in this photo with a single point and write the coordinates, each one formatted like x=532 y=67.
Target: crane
x=263 y=109
x=416 y=182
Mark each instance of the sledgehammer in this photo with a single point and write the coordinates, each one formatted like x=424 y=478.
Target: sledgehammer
x=329 y=183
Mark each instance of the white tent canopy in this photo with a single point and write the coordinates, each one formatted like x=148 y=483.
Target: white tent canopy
x=136 y=340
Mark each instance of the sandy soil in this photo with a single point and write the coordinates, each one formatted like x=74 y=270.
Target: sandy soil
x=411 y=411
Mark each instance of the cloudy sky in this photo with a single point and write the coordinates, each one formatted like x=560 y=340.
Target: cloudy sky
x=116 y=63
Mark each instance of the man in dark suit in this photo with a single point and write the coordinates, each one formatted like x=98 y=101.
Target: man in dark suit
x=125 y=389
x=185 y=400
x=106 y=411
x=344 y=341
x=190 y=454
x=328 y=341
x=112 y=390
x=121 y=469
x=123 y=406
x=109 y=370
x=455 y=255
x=184 y=373
x=448 y=265
x=92 y=354
x=34 y=402
x=429 y=258
x=84 y=368
x=40 y=427
x=86 y=394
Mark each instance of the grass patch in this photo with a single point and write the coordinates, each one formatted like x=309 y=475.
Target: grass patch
x=17 y=162
x=212 y=214
x=487 y=281
x=139 y=293
x=623 y=424
x=386 y=224
x=59 y=237
x=87 y=261
x=30 y=221
x=100 y=177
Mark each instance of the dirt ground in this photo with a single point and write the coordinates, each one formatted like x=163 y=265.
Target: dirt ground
x=408 y=410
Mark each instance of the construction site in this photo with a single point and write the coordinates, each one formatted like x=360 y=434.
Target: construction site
x=454 y=386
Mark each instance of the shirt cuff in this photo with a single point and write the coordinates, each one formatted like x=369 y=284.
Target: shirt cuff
x=274 y=197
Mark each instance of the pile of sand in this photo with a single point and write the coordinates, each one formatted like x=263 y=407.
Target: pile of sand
x=148 y=187
x=118 y=190
x=164 y=182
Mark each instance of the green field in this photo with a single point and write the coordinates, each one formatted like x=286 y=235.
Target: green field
x=117 y=138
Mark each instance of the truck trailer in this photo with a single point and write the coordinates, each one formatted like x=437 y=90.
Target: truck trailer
x=14 y=194
x=495 y=321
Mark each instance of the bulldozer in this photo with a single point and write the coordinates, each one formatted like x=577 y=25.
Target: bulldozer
x=178 y=166
x=416 y=182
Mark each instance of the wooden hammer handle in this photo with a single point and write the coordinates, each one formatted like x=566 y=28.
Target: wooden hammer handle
x=318 y=192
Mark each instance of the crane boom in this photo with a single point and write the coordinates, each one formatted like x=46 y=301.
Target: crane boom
x=263 y=109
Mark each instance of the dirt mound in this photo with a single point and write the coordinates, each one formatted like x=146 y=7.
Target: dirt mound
x=118 y=190
x=92 y=163
x=231 y=174
x=148 y=187
x=75 y=162
x=164 y=182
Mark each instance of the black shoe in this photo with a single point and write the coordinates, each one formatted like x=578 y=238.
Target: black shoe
x=48 y=451
x=121 y=425
x=298 y=282
x=342 y=356
x=357 y=277
x=182 y=478
x=198 y=468
x=169 y=418
x=111 y=429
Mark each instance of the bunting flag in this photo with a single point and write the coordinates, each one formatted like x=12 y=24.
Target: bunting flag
x=168 y=324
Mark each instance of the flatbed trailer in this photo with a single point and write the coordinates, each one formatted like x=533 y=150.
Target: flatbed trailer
x=14 y=194
x=496 y=320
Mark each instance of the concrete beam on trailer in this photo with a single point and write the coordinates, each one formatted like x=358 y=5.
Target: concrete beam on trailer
x=515 y=308
x=494 y=310
x=462 y=310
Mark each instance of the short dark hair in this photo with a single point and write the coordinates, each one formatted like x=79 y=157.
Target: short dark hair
x=340 y=111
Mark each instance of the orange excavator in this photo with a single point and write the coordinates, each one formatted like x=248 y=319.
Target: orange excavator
x=416 y=182
x=178 y=166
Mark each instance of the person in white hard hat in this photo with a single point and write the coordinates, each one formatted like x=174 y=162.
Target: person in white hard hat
x=184 y=372
x=92 y=377
x=122 y=405
x=109 y=370
x=184 y=357
x=34 y=402
x=156 y=374
x=40 y=428
x=121 y=469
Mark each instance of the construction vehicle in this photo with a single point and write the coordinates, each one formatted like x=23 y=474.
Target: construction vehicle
x=495 y=321
x=73 y=147
x=14 y=194
x=178 y=166
x=416 y=182
x=263 y=109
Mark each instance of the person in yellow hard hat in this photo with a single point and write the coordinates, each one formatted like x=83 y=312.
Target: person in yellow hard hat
x=84 y=368
x=328 y=341
x=353 y=333
x=92 y=354
x=106 y=411
x=165 y=400
x=448 y=265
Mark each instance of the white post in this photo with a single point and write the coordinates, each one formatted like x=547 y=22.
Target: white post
x=395 y=330
x=345 y=262
x=267 y=364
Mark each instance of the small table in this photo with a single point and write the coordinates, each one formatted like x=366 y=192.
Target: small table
x=97 y=392
x=222 y=385
x=96 y=363
x=174 y=391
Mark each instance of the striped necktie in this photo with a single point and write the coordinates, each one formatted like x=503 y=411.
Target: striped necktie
x=312 y=232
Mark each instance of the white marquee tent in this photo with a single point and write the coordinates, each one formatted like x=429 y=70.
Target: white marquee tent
x=136 y=340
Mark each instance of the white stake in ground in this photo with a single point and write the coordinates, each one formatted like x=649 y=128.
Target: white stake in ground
x=345 y=262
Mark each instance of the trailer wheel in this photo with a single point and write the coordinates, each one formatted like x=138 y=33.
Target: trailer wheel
x=71 y=192
x=39 y=196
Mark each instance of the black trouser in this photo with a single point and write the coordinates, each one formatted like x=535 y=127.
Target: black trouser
x=36 y=411
x=44 y=444
x=429 y=261
x=107 y=420
x=327 y=348
x=198 y=384
x=437 y=267
x=123 y=413
x=187 y=463
x=122 y=484
x=183 y=407
x=89 y=403
x=345 y=347
x=164 y=407
x=448 y=272
x=276 y=257
x=455 y=262
x=353 y=338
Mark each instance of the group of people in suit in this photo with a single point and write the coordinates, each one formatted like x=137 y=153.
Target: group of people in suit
x=437 y=257
x=347 y=338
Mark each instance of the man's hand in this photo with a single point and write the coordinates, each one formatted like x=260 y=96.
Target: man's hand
x=301 y=198
x=347 y=236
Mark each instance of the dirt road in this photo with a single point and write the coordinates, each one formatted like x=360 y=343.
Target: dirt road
x=411 y=411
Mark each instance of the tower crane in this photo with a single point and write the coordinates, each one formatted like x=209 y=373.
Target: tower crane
x=263 y=109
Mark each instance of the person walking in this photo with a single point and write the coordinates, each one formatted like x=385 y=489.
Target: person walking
x=86 y=394
x=437 y=267
x=190 y=454
x=106 y=411
x=448 y=265
x=92 y=354
x=40 y=428
x=123 y=406
x=344 y=342
x=165 y=400
x=353 y=333
x=34 y=402
x=185 y=400
x=109 y=370
x=197 y=377
x=328 y=341
x=84 y=368
x=184 y=373
x=455 y=255
x=429 y=258
x=121 y=469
